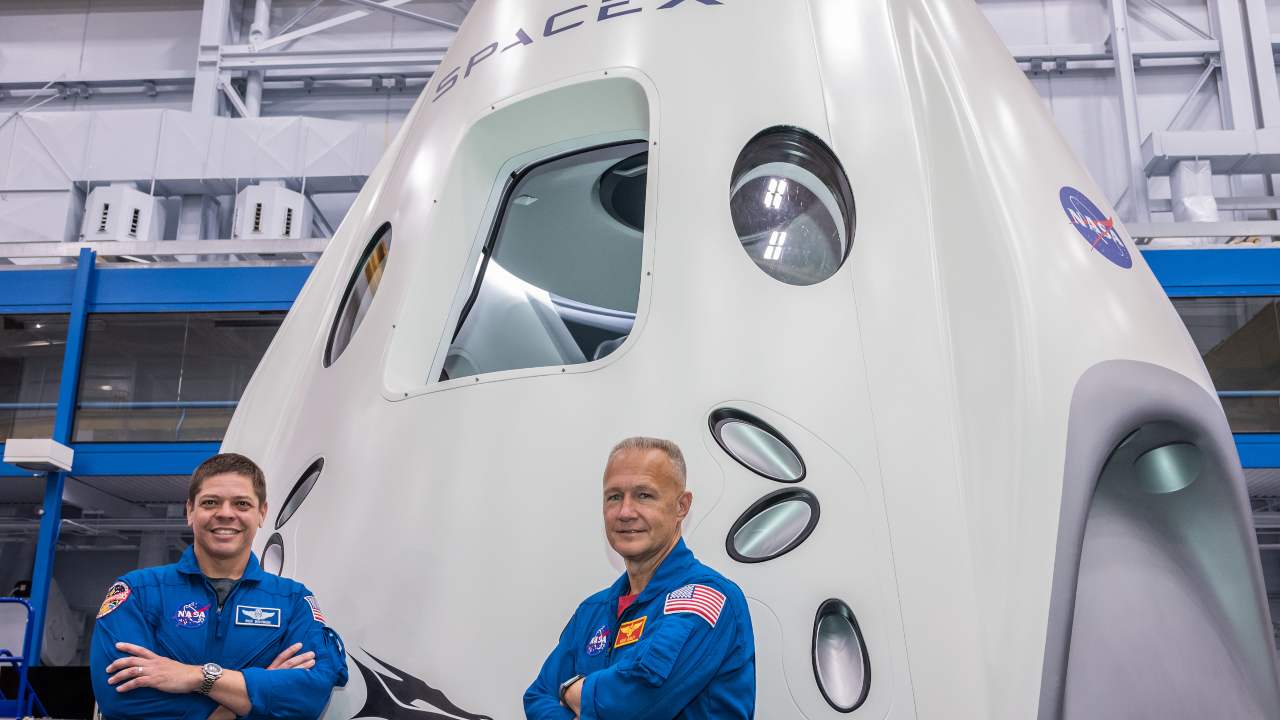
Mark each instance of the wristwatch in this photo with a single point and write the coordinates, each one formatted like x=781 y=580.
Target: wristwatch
x=564 y=686
x=212 y=671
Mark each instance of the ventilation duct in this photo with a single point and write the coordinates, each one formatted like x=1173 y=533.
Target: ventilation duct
x=269 y=210
x=119 y=212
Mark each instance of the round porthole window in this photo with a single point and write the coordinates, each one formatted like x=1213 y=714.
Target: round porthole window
x=773 y=526
x=756 y=445
x=840 y=661
x=792 y=206
x=273 y=555
x=299 y=492
x=358 y=296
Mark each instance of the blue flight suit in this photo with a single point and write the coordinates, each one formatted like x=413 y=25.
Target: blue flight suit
x=172 y=610
x=677 y=664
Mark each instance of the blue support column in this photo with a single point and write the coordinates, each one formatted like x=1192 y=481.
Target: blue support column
x=51 y=521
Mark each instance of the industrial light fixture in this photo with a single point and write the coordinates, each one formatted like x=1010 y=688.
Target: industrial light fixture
x=38 y=454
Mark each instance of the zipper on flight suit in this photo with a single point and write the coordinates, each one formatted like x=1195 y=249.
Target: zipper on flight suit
x=219 y=625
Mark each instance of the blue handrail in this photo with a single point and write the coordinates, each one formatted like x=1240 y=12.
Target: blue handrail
x=26 y=701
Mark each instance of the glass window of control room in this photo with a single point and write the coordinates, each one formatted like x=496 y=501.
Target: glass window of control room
x=1239 y=338
x=31 y=348
x=559 y=278
x=167 y=377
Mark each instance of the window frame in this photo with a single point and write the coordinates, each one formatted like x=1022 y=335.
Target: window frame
x=759 y=507
x=327 y=359
x=485 y=245
x=824 y=165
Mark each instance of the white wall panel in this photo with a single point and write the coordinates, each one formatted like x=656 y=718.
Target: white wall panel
x=113 y=153
x=96 y=38
x=38 y=216
x=42 y=39
x=376 y=30
x=184 y=145
x=125 y=36
x=48 y=150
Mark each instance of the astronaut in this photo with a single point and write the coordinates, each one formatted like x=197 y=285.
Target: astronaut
x=671 y=637
x=213 y=635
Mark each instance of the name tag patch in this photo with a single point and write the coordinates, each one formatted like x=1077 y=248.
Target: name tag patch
x=630 y=632
x=257 y=616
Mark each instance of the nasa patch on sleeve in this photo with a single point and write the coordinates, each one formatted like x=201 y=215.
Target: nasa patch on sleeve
x=116 y=595
x=1095 y=227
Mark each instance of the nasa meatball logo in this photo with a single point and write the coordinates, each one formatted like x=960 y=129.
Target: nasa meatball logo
x=191 y=615
x=599 y=641
x=1095 y=227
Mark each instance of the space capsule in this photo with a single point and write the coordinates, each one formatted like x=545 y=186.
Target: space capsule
x=942 y=425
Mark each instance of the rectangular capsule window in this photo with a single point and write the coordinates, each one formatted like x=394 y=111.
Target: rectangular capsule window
x=559 y=279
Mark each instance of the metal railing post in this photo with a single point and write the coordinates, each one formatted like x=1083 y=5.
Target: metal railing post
x=51 y=521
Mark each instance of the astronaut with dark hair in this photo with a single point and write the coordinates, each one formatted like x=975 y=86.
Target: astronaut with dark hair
x=213 y=635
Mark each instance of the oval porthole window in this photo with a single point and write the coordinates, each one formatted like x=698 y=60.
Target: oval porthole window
x=840 y=661
x=773 y=526
x=299 y=492
x=756 y=445
x=273 y=555
x=1169 y=468
x=361 y=288
x=792 y=206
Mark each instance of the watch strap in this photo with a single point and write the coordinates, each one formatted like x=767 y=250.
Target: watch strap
x=564 y=686
x=206 y=685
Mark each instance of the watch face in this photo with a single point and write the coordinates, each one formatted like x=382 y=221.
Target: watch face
x=212 y=669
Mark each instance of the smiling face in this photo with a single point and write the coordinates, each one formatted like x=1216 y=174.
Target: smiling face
x=644 y=504
x=224 y=517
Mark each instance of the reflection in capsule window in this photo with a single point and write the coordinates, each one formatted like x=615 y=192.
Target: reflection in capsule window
x=559 y=279
x=792 y=206
x=359 y=294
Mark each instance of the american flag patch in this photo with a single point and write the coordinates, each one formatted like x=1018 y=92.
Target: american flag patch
x=315 y=608
x=701 y=600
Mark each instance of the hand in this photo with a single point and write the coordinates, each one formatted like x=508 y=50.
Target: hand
x=144 y=668
x=284 y=661
x=287 y=660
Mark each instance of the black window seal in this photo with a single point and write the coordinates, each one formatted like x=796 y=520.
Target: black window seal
x=314 y=468
x=275 y=539
x=719 y=416
x=828 y=169
x=378 y=234
x=842 y=608
x=777 y=497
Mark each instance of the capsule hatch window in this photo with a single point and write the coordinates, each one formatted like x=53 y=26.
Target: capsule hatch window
x=558 y=279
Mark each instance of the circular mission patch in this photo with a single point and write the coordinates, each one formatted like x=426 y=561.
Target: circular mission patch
x=116 y=595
